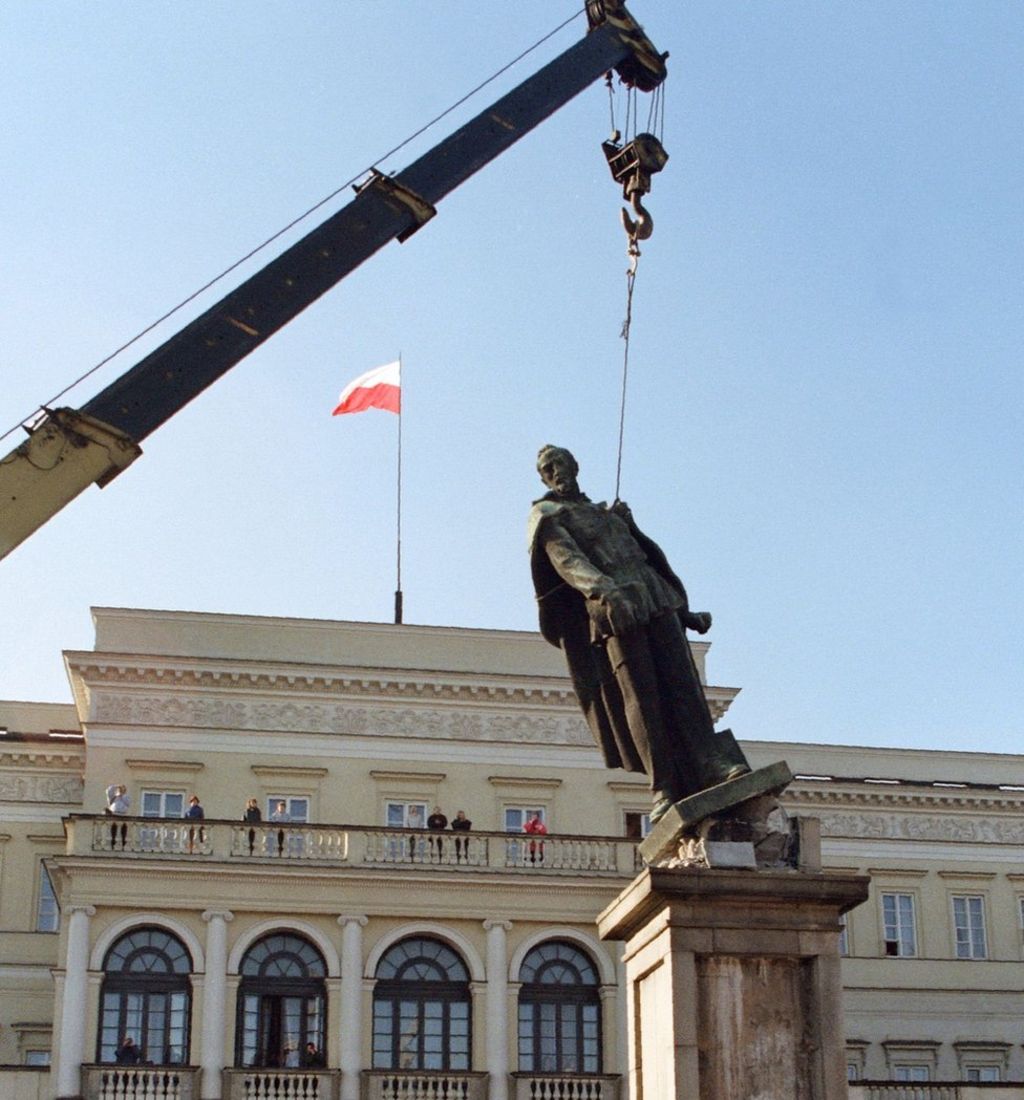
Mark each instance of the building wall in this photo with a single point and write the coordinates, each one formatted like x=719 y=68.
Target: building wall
x=351 y=716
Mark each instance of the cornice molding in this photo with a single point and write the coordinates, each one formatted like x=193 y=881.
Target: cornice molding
x=903 y=798
x=519 y=781
x=49 y=758
x=292 y=771
x=351 y=683
x=165 y=765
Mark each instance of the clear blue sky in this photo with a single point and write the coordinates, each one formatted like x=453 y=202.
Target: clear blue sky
x=824 y=417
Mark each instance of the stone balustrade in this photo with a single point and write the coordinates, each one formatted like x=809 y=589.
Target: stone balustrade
x=562 y=1086
x=140 y=1082
x=409 y=1085
x=280 y=1084
x=349 y=845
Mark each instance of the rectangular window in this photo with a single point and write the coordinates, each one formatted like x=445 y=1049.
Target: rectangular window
x=982 y=1073
x=405 y=815
x=517 y=816
x=969 y=922
x=42 y=1058
x=910 y=1073
x=898 y=918
x=638 y=825
x=47 y=912
x=844 y=936
x=284 y=807
x=852 y=1071
x=163 y=803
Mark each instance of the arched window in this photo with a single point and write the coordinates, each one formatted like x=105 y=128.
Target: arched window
x=559 y=1011
x=146 y=997
x=421 y=1008
x=281 y=1002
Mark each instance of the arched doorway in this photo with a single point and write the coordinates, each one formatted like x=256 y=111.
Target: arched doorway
x=421 y=1008
x=281 y=1001
x=146 y=996
x=559 y=1011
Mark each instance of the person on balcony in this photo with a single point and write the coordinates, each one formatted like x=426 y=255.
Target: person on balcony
x=437 y=823
x=461 y=824
x=194 y=813
x=536 y=827
x=313 y=1058
x=252 y=816
x=119 y=804
x=127 y=1053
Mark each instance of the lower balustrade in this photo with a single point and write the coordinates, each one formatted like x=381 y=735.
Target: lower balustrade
x=412 y=1085
x=140 y=1082
x=565 y=1086
x=280 y=1084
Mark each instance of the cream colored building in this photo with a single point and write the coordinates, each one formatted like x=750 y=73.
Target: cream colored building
x=419 y=963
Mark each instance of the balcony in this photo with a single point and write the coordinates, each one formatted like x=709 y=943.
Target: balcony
x=349 y=846
x=278 y=1084
x=138 y=1082
x=412 y=1085
x=564 y=1086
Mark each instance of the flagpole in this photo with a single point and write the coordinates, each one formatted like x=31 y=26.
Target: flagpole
x=398 y=585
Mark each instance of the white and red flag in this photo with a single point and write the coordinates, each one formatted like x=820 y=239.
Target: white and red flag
x=380 y=388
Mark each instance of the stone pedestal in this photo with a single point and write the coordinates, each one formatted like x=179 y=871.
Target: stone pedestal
x=733 y=982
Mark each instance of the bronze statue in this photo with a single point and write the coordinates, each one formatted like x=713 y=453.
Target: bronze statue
x=607 y=597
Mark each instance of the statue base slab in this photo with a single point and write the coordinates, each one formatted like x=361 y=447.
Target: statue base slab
x=685 y=815
x=733 y=982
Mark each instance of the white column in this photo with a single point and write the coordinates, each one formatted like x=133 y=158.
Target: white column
x=497 y=1007
x=211 y=1056
x=75 y=1008
x=350 y=1045
x=621 y=1017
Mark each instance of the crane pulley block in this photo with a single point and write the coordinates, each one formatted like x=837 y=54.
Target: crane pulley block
x=634 y=163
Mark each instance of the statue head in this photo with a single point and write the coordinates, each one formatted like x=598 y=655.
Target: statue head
x=558 y=469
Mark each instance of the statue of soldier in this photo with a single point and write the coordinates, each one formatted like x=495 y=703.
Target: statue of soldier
x=607 y=597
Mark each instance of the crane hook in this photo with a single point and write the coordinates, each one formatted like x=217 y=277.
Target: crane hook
x=643 y=226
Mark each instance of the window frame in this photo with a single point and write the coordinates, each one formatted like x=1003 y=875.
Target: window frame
x=974 y=937
x=394 y=996
x=900 y=940
x=162 y=793
x=147 y=989
x=569 y=1002
x=271 y=993
x=46 y=898
x=642 y=827
x=911 y=1072
x=288 y=800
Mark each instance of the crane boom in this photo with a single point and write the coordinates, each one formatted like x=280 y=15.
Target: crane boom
x=69 y=449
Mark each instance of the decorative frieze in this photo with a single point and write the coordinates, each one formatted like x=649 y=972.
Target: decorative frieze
x=959 y=829
x=40 y=787
x=199 y=712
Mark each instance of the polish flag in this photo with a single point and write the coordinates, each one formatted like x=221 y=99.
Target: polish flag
x=379 y=388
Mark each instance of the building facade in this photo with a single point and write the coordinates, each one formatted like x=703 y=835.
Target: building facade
x=338 y=947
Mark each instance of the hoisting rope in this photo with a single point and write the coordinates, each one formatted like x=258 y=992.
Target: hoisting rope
x=634 y=256
x=41 y=409
x=635 y=184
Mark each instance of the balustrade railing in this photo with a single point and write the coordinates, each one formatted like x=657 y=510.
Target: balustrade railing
x=279 y=1084
x=350 y=845
x=562 y=1086
x=408 y=1085
x=140 y=1082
